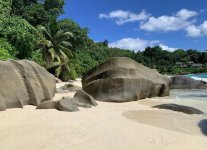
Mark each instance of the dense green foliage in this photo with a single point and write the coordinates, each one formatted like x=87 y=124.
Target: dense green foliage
x=4 y=54
x=5 y=8
x=80 y=35
x=31 y=29
x=20 y=34
x=54 y=7
x=6 y=50
x=37 y=12
x=4 y=44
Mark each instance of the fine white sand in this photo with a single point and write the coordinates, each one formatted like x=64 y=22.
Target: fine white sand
x=109 y=126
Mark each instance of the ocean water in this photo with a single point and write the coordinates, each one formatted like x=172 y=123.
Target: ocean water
x=202 y=76
x=195 y=98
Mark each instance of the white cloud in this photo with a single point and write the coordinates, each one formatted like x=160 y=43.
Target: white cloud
x=165 y=47
x=121 y=17
x=134 y=43
x=197 y=31
x=175 y=22
x=186 y=14
x=138 y=44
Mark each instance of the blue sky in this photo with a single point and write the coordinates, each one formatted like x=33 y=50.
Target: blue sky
x=135 y=24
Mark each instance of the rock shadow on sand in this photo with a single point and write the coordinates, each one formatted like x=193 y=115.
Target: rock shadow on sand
x=203 y=126
x=179 y=108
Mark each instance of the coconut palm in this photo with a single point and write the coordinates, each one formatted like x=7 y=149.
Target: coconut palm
x=55 y=47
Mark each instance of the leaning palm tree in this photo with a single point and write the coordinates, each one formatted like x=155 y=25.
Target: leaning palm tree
x=55 y=47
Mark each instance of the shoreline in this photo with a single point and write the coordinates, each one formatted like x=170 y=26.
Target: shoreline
x=185 y=74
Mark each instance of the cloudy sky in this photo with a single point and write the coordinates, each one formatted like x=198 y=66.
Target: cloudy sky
x=136 y=24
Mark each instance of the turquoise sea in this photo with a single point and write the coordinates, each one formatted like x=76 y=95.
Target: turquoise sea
x=202 y=76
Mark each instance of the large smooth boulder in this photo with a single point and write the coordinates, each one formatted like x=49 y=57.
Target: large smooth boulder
x=24 y=83
x=121 y=79
x=183 y=82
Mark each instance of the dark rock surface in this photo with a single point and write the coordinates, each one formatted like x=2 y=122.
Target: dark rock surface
x=67 y=105
x=122 y=79
x=24 y=83
x=179 y=108
x=61 y=91
x=81 y=99
x=79 y=104
x=70 y=87
x=182 y=82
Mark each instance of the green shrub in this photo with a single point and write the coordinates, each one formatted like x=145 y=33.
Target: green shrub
x=4 y=44
x=37 y=57
x=6 y=50
x=4 y=54
x=73 y=75
x=65 y=75
x=20 y=34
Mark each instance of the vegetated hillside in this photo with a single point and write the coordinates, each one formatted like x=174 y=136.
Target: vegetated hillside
x=30 y=29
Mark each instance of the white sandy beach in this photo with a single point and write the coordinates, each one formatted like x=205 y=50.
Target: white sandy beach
x=109 y=126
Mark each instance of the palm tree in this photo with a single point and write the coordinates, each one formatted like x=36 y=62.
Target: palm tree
x=55 y=47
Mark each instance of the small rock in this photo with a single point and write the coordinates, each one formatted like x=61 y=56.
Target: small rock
x=83 y=99
x=70 y=87
x=67 y=105
x=79 y=104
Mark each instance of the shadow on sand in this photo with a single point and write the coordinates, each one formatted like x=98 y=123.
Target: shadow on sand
x=203 y=126
x=179 y=108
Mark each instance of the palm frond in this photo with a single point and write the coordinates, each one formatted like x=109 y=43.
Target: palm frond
x=58 y=71
x=52 y=53
x=66 y=51
x=45 y=32
x=53 y=65
x=59 y=33
x=64 y=57
x=66 y=43
x=64 y=36
x=49 y=43
x=69 y=34
x=55 y=48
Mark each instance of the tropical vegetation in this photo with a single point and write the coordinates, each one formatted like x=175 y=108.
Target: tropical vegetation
x=32 y=29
